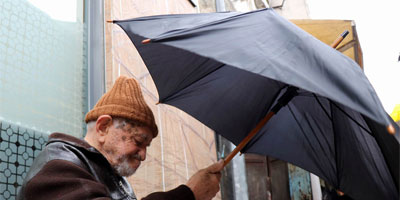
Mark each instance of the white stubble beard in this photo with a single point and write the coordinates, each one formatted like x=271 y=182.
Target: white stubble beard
x=124 y=168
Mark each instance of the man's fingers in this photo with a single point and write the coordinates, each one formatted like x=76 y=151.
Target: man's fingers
x=218 y=175
x=216 y=167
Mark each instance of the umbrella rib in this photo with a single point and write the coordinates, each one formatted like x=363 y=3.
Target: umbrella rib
x=355 y=121
x=372 y=160
x=177 y=33
x=330 y=151
x=326 y=112
x=258 y=136
x=323 y=108
x=302 y=130
x=335 y=140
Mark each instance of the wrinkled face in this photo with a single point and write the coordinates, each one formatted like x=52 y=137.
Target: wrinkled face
x=125 y=146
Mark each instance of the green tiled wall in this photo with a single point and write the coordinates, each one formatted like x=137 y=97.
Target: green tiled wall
x=18 y=147
x=43 y=83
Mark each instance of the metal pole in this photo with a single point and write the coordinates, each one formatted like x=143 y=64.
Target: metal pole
x=315 y=187
x=96 y=55
x=220 y=5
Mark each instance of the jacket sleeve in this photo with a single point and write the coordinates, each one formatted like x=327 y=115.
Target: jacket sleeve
x=182 y=192
x=60 y=179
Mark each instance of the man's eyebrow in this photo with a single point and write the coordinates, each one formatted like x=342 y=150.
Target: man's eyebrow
x=144 y=136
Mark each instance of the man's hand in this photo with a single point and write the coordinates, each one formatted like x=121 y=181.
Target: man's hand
x=205 y=183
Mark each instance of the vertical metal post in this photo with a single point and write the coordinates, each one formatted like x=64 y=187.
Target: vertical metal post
x=237 y=169
x=315 y=187
x=220 y=5
x=96 y=55
x=239 y=178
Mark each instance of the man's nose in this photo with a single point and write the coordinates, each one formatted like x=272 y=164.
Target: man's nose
x=142 y=154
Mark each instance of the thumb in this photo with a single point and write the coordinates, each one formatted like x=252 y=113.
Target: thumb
x=216 y=167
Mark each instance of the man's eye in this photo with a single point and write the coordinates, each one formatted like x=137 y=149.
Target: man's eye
x=139 y=139
x=138 y=142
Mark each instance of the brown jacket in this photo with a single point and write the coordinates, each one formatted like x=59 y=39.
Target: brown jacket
x=69 y=168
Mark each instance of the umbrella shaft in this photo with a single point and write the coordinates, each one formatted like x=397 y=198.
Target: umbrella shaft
x=248 y=137
x=282 y=101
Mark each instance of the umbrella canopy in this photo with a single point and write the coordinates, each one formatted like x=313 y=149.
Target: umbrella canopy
x=229 y=69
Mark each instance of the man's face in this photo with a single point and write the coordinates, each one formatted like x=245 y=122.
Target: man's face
x=125 y=146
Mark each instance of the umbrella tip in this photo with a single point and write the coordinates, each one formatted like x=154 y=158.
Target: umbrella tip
x=345 y=33
x=391 y=129
x=110 y=21
x=146 y=41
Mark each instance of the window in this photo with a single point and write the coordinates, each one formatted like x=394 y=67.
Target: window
x=43 y=67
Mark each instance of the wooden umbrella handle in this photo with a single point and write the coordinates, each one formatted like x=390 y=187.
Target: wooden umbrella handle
x=248 y=137
x=282 y=101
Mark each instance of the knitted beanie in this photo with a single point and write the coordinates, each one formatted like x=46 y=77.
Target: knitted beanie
x=124 y=100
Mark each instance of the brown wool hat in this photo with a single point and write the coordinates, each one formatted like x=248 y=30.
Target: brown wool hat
x=124 y=100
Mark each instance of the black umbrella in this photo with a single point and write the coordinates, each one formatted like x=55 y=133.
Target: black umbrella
x=230 y=69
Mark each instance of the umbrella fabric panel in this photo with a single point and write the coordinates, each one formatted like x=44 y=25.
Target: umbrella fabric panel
x=208 y=85
x=170 y=67
x=360 y=156
x=310 y=146
x=228 y=101
x=390 y=146
x=329 y=145
x=279 y=50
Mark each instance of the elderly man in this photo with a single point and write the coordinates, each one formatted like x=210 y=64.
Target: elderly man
x=119 y=129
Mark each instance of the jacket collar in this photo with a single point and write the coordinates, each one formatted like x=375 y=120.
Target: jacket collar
x=61 y=137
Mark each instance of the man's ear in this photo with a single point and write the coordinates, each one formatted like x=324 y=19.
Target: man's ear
x=102 y=125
